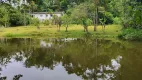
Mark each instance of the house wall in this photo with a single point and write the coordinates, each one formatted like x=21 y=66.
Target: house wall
x=45 y=16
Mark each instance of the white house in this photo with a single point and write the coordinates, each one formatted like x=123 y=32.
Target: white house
x=46 y=15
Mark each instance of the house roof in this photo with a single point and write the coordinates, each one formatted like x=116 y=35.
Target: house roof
x=47 y=13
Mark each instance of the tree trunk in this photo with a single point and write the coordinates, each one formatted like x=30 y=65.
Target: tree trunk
x=95 y=24
x=59 y=28
x=5 y=25
x=86 y=29
x=96 y=47
x=96 y=19
x=104 y=26
x=24 y=19
x=38 y=27
x=66 y=28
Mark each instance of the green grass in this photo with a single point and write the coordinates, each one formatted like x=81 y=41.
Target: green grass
x=51 y=31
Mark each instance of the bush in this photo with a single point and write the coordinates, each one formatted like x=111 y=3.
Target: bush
x=35 y=22
x=54 y=19
x=46 y=22
x=89 y=22
x=116 y=20
x=108 y=17
x=17 y=18
x=131 y=34
x=11 y=16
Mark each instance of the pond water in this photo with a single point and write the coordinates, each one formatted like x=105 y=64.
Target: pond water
x=70 y=59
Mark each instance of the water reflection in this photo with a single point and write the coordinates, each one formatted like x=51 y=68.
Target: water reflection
x=107 y=72
x=75 y=59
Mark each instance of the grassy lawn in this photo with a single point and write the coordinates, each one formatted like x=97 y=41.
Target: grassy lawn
x=51 y=31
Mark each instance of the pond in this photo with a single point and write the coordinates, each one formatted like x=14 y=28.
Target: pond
x=70 y=59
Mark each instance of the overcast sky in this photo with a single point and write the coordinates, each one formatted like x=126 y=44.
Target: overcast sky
x=15 y=5
x=20 y=1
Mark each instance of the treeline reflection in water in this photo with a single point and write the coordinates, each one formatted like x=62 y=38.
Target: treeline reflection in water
x=79 y=59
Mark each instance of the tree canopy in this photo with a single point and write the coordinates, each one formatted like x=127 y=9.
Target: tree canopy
x=125 y=12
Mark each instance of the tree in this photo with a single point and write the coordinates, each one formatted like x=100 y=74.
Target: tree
x=59 y=23
x=97 y=7
x=96 y=3
x=56 y=21
x=24 y=9
x=129 y=12
x=86 y=22
x=66 y=21
x=4 y=16
x=32 y=6
x=46 y=22
x=16 y=18
x=80 y=15
x=35 y=22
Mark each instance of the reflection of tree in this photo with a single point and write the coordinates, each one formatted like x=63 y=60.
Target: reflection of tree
x=16 y=77
x=77 y=56
x=42 y=57
x=4 y=57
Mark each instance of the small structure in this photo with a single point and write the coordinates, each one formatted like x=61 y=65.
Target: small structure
x=46 y=15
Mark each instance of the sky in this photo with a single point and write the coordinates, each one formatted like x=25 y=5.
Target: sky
x=21 y=2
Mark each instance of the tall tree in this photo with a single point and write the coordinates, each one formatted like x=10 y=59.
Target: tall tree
x=66 y=21
x=129 y=12
x=4 y=16
x=80 y=15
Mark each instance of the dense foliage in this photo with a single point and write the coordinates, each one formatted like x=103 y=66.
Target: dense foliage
x=11 y=16
x=98 y=12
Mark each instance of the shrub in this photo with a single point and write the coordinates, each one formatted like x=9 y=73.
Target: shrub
x=131 y=34
x=17 y=18
x=108 y=17
x=46 y=22
x=35 y=21
x=89 y=22
x=10 y=16
x=116 y=20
